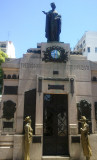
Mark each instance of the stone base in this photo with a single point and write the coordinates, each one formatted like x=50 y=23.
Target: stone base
x=55 y=158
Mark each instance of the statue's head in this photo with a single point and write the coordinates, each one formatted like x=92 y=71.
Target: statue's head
x=53 y=5
x=83 y=118
x=28 y=119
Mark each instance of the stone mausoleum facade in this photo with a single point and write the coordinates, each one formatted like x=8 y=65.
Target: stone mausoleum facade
x=55 y=87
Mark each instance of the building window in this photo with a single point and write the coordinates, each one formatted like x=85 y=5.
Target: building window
x=95 y=49
x=84 y=50
x=77 y=47
x=3 y=45
x=84 y=42
x=88 y=49
x=80 y=45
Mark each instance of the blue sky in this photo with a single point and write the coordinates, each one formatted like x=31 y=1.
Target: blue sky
x=23 y=22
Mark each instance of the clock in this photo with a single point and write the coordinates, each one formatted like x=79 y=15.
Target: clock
x=55 y=54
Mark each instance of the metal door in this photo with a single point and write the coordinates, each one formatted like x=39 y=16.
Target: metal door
x=55 y=124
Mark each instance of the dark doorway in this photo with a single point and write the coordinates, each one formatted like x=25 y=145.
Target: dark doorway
x=30 y=106
x=55 y=124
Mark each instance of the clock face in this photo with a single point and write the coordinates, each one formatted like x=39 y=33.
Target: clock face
x=55 y=54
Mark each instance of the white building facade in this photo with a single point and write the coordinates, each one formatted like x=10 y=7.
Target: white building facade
x=88 y=45
x=8 y=47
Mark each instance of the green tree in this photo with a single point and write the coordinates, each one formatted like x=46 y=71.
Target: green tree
x=2 y=60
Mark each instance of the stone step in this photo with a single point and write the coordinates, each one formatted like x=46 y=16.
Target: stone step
x=55 y=158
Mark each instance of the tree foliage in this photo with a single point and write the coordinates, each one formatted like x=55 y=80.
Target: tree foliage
x=2 y=57
x=2 y=60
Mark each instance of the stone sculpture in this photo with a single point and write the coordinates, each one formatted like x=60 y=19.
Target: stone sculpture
x=53 y=24
x=85 y=139
x=28 y=137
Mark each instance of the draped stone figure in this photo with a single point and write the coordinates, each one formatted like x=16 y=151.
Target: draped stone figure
x=85 y=139
x=28 y=137
x=53 y=24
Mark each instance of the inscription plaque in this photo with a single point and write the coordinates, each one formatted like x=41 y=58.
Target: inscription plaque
x=55 y=87
x=7 y=124
x=55 y=72
x=36 y=139
x=75 y=139
x=11 y=90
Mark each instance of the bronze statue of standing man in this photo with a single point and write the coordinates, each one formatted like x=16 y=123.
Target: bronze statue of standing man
x=53 y=24
x=28 y=137
x=85 y=139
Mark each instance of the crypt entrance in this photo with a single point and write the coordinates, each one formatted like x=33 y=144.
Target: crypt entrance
x=55 y=124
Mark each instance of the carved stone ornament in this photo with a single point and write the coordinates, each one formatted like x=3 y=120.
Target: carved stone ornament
x=55 y=54
x=9 y=109
x=84 y=108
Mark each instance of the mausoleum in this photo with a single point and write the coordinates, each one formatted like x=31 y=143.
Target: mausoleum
x=55 y=87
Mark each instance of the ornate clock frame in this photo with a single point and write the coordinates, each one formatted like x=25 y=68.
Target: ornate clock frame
x=48 y=57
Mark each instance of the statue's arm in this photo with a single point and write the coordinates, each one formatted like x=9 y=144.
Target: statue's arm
x=44 y=12
x=85 y=130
